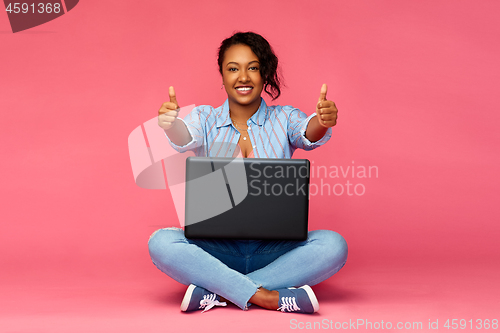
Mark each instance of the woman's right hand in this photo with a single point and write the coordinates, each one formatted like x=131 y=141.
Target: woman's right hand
x=168 y=111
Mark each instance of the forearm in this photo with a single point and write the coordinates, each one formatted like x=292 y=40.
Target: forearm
x=315 y=131
x=179 y=133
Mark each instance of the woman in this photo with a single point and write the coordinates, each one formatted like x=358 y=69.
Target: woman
x=248 y=272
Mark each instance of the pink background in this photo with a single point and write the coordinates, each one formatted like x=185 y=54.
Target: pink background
x=416 y=85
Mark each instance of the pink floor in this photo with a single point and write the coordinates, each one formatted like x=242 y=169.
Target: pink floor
x=142 y=299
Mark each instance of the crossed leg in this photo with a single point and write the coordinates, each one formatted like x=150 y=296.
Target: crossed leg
x=235 y=270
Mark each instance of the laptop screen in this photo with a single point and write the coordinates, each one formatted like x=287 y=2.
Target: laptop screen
x=248 y=198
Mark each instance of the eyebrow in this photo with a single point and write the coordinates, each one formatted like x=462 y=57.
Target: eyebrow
x=232 y=62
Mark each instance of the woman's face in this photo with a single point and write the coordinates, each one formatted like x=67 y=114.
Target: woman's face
x=241 y=76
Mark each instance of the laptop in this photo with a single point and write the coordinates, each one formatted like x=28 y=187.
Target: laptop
x=247 y=198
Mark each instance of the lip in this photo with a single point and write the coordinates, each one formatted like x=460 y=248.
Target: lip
x=244 y=92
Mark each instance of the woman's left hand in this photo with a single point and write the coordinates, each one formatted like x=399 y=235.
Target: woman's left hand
x=326 y=110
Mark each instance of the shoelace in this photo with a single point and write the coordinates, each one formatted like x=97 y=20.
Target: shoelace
x=209 y=302
x=288 y=304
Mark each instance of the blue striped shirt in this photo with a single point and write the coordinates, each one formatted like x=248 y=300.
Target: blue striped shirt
x=275 y=132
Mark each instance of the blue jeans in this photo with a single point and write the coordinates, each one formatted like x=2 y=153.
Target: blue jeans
x=234 y=269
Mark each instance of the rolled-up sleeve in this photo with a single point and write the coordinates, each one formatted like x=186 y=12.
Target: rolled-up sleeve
x=193 y=122
x=297 y=126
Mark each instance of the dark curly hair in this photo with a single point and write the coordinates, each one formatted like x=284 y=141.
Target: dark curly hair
x=263 y=51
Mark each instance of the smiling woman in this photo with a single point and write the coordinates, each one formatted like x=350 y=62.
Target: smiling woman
x=242 y=80
x=255 y=271
x=259 y=53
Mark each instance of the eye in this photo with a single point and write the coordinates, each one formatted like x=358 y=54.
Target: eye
x=254 y=68
x=233 y=69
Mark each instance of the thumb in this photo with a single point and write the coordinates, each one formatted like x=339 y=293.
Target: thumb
x=171 y=94
x=322 y=95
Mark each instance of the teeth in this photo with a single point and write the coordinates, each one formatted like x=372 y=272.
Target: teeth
x=244 y=88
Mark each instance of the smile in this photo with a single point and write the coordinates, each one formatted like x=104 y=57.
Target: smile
x=244 y=88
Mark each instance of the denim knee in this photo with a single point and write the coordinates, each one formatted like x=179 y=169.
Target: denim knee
x=334 y=246
x=160 y=243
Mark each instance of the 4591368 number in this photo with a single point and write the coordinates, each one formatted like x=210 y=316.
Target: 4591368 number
x=471 y=324
x=39 y=8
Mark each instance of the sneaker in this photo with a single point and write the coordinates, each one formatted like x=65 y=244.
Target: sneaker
x=300 y=300
x=197 y=298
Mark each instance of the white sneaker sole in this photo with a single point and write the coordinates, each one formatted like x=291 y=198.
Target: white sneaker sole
x=312 y=297
x=187 y=297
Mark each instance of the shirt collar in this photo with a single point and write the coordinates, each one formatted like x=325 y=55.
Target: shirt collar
x=258 y=117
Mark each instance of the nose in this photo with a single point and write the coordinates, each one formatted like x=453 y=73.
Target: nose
x=243 y=77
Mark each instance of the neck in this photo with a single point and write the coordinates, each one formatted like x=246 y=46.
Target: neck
x=241 y=113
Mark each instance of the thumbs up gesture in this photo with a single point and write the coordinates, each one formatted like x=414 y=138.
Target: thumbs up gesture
x=326 y=111
x=168 y=111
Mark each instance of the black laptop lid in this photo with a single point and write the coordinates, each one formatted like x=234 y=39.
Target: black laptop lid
x=247 y=198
